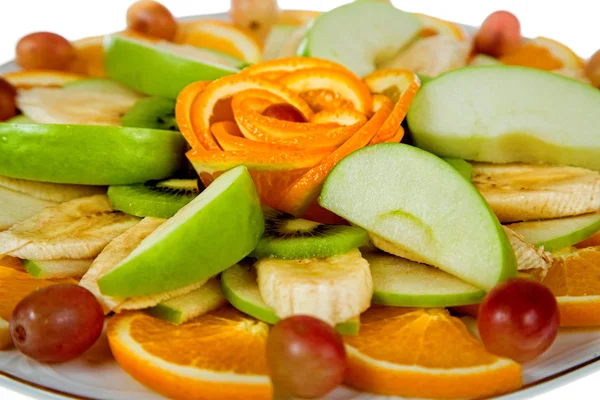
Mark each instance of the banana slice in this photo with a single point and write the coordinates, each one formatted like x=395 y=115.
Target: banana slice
x=522 y=192
x=334 y=289
x=75 y=230
x=54 y=192
x=16 y=207
x=116 y=251
x=432 y=56
x=89 y=102
x=528 y=257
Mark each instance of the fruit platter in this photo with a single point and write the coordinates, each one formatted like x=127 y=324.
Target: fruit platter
x=253 y=206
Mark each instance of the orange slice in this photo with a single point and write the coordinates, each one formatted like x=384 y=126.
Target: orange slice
x=400 y=86
x=300 y=196
x=544 y=53
x=346 y=84
x=223 y=88
x=575 y=281
x=41 y=78
x=432 y=26
x=219 y=355
x=183 y=112
x=424 y=353
x=323 y=99
x=275 y=69
x=592 y=241
x=89 y=57
x=296 y=17
x=11 y=262
x=221 y=36
x=15 y=285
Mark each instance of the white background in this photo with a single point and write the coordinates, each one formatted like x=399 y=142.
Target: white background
x=573 y=22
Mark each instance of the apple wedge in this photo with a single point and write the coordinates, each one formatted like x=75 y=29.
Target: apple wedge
x=556 y=234
x=55 y=269
x=360 y=35
x=88 y=154
x=421 y=204
x=240 y=287
x=403 y=283
x=464 y=167
x=217 y=229
x=508 y=114
x=163 y=68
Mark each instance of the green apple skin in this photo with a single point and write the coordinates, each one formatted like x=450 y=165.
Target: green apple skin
x=403 y=283
x=89 y=154
x=360 y=22
x=155 y=71
x=214 y=231
x=463 y=167
x=239 y=286
x=183 y=308
x=556 y=234
x=420 y=203
x=508 y=114
x=50 y=269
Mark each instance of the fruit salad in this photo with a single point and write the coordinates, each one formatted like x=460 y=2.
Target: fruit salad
x=261 y=207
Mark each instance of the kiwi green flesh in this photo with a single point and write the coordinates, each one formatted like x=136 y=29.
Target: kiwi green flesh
x=152 y=112
x=160 y=199
x=293 y=238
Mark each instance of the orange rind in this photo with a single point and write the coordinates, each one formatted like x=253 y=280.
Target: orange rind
x=546 y=54
x=275 y=69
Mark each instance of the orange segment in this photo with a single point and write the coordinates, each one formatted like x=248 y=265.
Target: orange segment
x=425 y=354
x=221 y=36
x=400 y=86
x=300 y=196
x=40 y=78
x=11 y=262
x=431 y=26
x=89 y=57
x=15 y=285
x=323 y=99
x=183 y=111
x=219 y=355
x=575 y=281
x=345 y=84
x=275 y=69
x=544 y=53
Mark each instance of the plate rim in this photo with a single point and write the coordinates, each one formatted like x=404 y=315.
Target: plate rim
x=545 y=385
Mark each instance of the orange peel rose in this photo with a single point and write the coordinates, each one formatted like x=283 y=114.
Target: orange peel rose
x=225 y=124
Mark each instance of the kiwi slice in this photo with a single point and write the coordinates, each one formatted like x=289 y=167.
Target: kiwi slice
x=152 y=113
x=294 y=238
x=161 y=199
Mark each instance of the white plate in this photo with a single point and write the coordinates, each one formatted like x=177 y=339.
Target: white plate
x=575 y=354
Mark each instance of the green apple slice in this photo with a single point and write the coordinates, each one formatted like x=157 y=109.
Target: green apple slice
x=217 y=229
x=52 y=269
x=464 y=167
x=240 y=287
x=404 y=283
x=277 y=40
x=183 y=308
x=556 y=234
x=422 y=205
x=360 y=35
x=508 y=114
x=88 y=154
x=163 y=68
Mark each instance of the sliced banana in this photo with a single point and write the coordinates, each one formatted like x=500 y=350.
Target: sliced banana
x=115 y=252
x=528 y=257
x=55 y=192
x=75 y=230
x=334 y=289
x=16 y=207
x=432 y=56
x=97 y=102
x=522 y=192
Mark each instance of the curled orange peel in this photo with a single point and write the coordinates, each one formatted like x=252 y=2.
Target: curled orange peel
x=183 y=112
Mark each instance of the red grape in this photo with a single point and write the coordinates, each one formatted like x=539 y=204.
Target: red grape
x=44 y=50
x=56 y=323
x=306 y=357
x=499 y=34
x=518 y=319
x=151 y=18
x=592 y=69
x=8 y=103
x=285 y=112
